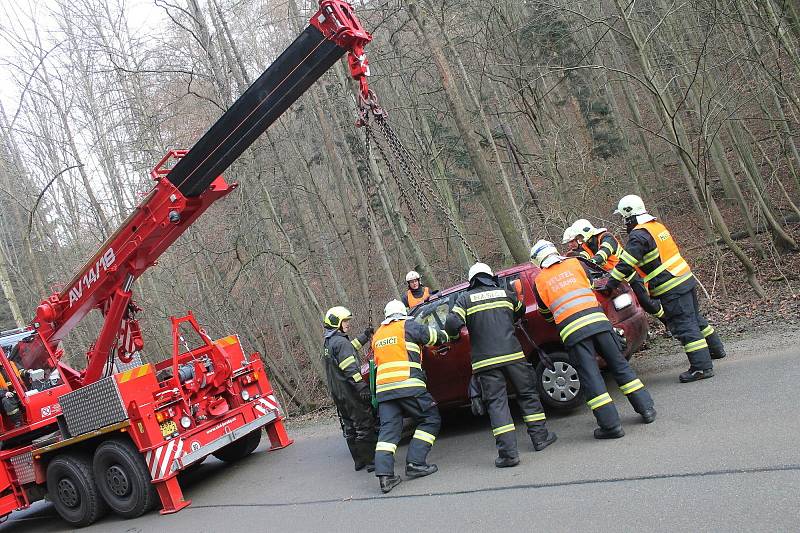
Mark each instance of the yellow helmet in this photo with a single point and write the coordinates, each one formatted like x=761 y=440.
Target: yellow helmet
x=336 y=315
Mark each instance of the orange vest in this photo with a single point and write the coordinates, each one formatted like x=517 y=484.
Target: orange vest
x=612 y=260
x=392 y=361
x=414 y=301
x=565 y=289
x=7 y=384
x=668 y=254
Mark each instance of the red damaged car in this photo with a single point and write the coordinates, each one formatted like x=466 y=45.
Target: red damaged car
x=448 y=366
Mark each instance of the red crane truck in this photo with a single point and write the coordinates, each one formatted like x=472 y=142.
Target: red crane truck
x=115 y=434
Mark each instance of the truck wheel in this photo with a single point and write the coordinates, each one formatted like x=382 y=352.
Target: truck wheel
x=72 y=488
x=240 y=448
x=123 y=478
x=560 y=388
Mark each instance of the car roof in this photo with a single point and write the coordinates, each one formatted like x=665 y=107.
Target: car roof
x=500 y=274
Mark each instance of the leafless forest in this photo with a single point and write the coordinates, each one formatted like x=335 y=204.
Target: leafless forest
x=512 y=119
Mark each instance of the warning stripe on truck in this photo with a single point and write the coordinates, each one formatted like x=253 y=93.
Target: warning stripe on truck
x=266 y=404
x=161 y=461
x=137 y=372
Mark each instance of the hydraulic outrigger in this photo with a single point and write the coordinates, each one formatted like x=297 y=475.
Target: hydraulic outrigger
x=117 y=433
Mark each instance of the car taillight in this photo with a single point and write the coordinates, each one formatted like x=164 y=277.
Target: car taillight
x=622 y=301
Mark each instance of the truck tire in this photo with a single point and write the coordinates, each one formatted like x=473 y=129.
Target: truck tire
x=240 y=448
x=72 y=488
x=123 y=478
x=560 y=388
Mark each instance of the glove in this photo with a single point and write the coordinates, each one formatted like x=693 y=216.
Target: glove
x=369 y=332
x=365 y=394
x=477 y=407
x=622 y=341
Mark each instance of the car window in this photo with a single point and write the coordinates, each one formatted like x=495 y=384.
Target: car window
x=434 y=313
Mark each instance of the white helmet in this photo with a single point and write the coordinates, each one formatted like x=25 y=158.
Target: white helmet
x=394 y=307
x=585 y=229
x=479 y=268
x=412 y=275
x=541 y=251
x=630 y=205
x=569 y=235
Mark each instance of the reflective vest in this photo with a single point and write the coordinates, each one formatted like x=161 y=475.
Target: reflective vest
x=398 y=362
x=413 y=301
x=566 y=291
x=665 y=258
x=613 y=258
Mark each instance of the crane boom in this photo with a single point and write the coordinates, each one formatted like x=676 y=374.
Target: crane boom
x=184 y=191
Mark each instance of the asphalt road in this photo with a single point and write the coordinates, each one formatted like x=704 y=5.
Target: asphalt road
x=723 y=455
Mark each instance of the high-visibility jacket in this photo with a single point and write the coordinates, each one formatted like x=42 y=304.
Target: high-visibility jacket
x=6 y=384
x=489 y=312
x=397 y=349
x=602 y=249
x=564 y=296
x=652 y=250
x=412 y=300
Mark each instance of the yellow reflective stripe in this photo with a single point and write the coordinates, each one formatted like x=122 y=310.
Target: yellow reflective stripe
x=490 y=305
x=460 y=312
x=671 y=284
x=386 y=447
x=412 y=347
x=660 y=312
x=574 y=303
x=585 y=254
x=347 y=362
x=631 y=386
x=650 y=256
x=617 y=275
x=503 y=429
x=599 y=401
x=356 y=377
x=607 y=245
x=706 y=331
x=398 y=364
x=628 y=258
x=388 y=375
x=497 y=360
x=603 y=254
x=518 y=306
x=533 y=418
x=356 y=344
x=672 y=261
x=424 y=436
x=581 y=322
x=694 y=346
x=411 y=382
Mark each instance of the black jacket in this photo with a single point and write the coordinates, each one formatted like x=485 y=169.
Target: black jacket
x=489 y=312
x=342 y=366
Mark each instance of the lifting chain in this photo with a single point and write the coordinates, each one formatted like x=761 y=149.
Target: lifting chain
x=407 y=164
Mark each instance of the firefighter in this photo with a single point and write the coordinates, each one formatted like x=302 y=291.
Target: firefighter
x=489 y=312
x=401 y=391
x=571 y=240
x=8 y=399
x=349 y=391
x=416 y=293
x=652 y=249
x=564 y=296
x=603 y=248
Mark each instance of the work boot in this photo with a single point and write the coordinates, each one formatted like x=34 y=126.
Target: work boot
x=695 y=375
x=389 y=482
x=609 y=433
x=717 y=354
x=363 y=455
x=649 y=415
x=541 y=444
x=506 y=462
x=414 y=470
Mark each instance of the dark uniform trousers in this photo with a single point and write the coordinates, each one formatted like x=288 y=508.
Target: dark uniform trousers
x=651 y=305
x=690 y=327
x=495 y=396
x=582 y=355
x=422 y=409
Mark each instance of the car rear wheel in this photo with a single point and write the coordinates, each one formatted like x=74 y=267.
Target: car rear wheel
x=559 y=388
